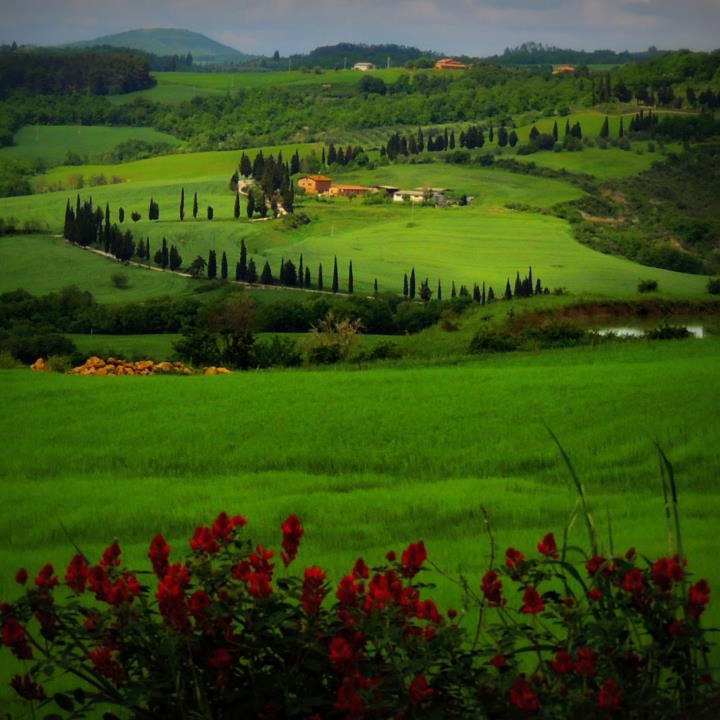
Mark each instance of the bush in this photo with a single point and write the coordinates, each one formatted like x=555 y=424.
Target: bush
x=120 y=281
x=279 y=351
x=229 y=633
x=59 y=363
x=492 y=340
x=645 y=286
x=8 y=361
x=713 y=286
x=324 y=354
x=668 y=332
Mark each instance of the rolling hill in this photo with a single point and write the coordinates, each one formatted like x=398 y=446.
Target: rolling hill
x=171 y=41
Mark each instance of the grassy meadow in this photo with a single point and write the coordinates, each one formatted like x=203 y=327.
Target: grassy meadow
x=51 y=143
x=370 y=460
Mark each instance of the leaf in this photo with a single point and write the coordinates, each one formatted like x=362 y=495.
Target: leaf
x=79 y=696
x=64 y=702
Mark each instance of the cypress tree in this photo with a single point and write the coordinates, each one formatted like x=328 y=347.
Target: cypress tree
x=67 y=228
x=491 y=295
x=502 y=136
x=453 y=291
x=250 y=204
x=320 y=277
x=308 y=279
x=412 y=284
x=251 y=276
x=621 y=131
x=518 y=286
x=351 y=283
x=567 y=128
x=508 y=290
x=335 y=279
x=405 y=285
x=605 y=129
x=420 y=140
x=281 y=275
x=175 y=258
x=195 y=207
x=538 y=287
x=491 y=134
x=439 y=291
x=210 y=212
x=224 y=266
x=266 y=277
x=237 y=272
x=483 y=297
x=121 y=215
x=236 y=210
x=182 y=204
x=301 y=272
x=530 y=281
x=375 y=287
x=555 y=132
x=512 y=138
x=245 y=166
x=476 y=293
x=212 y=265
x=242 y=265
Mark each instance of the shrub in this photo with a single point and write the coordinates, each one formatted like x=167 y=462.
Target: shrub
x=713 y=286
x=279 y=351
x=668 y=332
x=645 y=286
x=59 y=363
x=324 y=354
x=120 y=281
x=8 y=361
x=227 y=631
x=492 y=340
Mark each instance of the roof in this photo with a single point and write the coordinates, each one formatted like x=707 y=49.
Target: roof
x=317 y=178
x=450 y=63
x=352 y=187
x=563 y=69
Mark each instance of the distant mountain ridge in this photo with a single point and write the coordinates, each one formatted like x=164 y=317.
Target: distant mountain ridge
x=170 y=41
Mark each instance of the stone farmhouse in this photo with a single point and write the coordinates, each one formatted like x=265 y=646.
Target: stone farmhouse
x=450 y=64
x=323 y=185
x=315 y=184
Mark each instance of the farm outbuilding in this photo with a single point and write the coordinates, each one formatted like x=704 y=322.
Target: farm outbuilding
x=315 y=184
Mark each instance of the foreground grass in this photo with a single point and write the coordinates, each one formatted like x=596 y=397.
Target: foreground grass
x=370 y=460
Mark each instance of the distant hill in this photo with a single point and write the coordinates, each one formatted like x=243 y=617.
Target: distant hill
x=168 y=41
x=347 y=54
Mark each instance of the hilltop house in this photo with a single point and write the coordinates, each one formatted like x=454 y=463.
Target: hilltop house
x=450 y=64
x=364 y=66
x=315 y=184
x=349 y=190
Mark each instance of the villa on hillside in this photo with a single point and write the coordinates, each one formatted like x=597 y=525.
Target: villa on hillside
x=364 y=66
x=450 y=64
x=315 y=184
x=349 y=190
x=436 y=196
x=563 y=70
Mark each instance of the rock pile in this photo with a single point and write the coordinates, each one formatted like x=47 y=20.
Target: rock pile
x=113 y=366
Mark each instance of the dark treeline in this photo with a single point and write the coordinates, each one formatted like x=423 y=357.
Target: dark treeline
x=532 y=53
x=98 y=71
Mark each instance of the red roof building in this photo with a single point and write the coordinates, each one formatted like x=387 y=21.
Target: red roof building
x=450 y=64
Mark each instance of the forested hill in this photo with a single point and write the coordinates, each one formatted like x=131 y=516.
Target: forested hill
x=169 y=41
x=347 y=54
x=100 y=71
x=533 y=53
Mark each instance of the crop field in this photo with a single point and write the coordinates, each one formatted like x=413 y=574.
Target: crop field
x=51 y=143
x=174 y=87
x=370 y=460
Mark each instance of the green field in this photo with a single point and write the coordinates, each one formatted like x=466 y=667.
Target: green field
x=370 y=460
x=175 y=87
x=51 y=143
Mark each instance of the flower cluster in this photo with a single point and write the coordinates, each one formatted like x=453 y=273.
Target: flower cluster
x=220 y=633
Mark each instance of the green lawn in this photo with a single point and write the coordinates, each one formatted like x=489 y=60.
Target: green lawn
x=51 y=143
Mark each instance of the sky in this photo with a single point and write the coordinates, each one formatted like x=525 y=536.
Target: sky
x=470 y=27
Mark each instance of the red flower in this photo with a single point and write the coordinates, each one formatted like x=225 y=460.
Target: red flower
x=547 y=546
x=594 y=564
x=159 y=553
x=523 y=697
x=609 y=696
x=21 y=577
x=420 y=691
x=27 y=688
x=224 y=526
x=220 y=659
x=676 y=628
x=256 y=572
x=585 y=665
x=412 y=559
x=499 y=661
x=171 y=597
x=563 y=662
x=45 y=578
x=360 y=569
x=342 y=653
x=198 y=604
x=391 y=556
x=595 y=595
x=111 y=556
x=204 y=541
x=123 y=590
x=513 y=558
x=107 y=665
x=698 y=598
x=491 y=587
x=666 y=571
x=77 y=574
x=349 y=699
x=347 y=592
x=427 y=610
x=532 y=602
x=313 y=590
x=634 y=582
x=292 y=531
